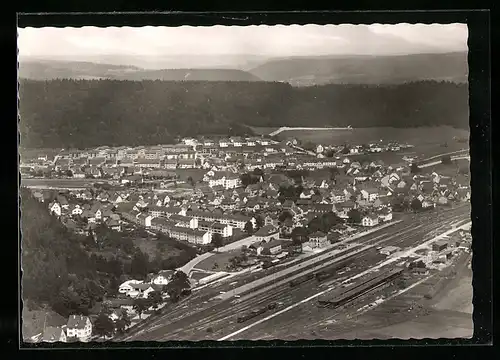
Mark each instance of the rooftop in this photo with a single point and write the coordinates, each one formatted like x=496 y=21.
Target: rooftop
x=51 y=334
x=77 y=321
x=266 y=231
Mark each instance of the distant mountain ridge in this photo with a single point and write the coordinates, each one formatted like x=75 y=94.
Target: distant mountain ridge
x=363 y=69
x=297 y=71
x=50 y=70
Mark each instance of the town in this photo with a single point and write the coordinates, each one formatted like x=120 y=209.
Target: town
x=245 y=206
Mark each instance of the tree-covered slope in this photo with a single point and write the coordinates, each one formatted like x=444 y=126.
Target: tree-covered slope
x=86 y=113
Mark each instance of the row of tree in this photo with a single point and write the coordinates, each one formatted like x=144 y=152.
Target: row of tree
x=83 y=113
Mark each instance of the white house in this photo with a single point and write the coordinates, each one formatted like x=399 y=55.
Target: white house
x=55 y=208
x=385 y=215
x=140 y=290
x=80 y=327
x=369 y=220
x=163 y=277
x=229 y=182
x=77 y=210
x=223 y=143
x=126 y=287
x=370 y=194
x=427 y=204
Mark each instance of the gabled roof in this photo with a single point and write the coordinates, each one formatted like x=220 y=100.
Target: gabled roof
x=51 y=333
x=266 y=231
x=179 y=218
x=140 y=287
x=317 y=234
x=271 y=244
x=77 y=321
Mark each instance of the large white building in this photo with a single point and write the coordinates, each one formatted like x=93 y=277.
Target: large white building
x=369 y=220
x=79 y=327
x=370 y=194
x=231 y=220
x=229 y=182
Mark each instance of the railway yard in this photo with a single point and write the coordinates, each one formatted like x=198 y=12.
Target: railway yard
x=356 y=292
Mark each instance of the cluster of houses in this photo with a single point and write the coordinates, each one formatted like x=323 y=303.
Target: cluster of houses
x=358 y=149
x=232 y=154
x=220 y=203
x=78 y=328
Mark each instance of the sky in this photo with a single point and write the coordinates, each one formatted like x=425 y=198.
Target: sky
x=265 y=41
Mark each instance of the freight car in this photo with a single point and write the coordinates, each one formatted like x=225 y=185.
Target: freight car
x=252 y=314
x=269 y=264
x=343 y=296
x=257 y=312
x=331 y=271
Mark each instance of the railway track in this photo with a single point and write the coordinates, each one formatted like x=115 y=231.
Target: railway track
x=221 y=315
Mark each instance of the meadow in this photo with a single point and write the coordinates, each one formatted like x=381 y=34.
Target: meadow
x=428 y=141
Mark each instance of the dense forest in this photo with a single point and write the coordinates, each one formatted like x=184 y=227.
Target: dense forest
x=86 y=113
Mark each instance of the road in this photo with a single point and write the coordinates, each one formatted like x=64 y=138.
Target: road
x=437 y=162
x=201 y=317
x=286 y=128
x=229 y=247
x=443 y=154
x=59 y=184
x=187 y=268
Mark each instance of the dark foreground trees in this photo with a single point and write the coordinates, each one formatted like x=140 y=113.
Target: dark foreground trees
x=354 y=216
x=178 y=286
x=103 y=325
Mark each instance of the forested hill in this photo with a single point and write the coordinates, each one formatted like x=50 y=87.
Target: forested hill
x=306 y=71
x=51 y=70
x=86 y=113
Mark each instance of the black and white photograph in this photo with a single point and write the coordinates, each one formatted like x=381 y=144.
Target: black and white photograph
x=257 y=182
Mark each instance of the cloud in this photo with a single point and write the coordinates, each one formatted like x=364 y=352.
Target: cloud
x=277 y=40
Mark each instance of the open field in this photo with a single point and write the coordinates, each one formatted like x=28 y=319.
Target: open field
x=434 y=326
x=458 y=298
x=148 y=247
x=427 y=140
x=421 y=135
x=195 y=174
